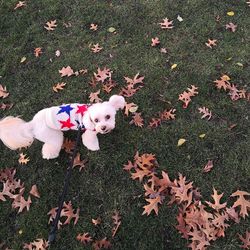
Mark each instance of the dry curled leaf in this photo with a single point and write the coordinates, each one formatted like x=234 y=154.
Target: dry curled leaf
x=59 y=86
x=4 y=106
x=96 y=221
x=216 y=197
x=38 y=244
x=34 y=191
x=232 y=27
x=242 y=202
x=21 y=203
x=50 y=25
x=103 y=75
x=130 y=107
x=103 y=243
x=79 y=163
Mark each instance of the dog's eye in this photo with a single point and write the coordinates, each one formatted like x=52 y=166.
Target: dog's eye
x=96 y=120
x=107 y=117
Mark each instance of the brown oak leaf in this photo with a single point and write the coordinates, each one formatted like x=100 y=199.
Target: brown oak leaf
x=5 y=106
x=23 y=159
x=84 y=238
x=130 y=107
x=96 y=48
x=211 y=43
x=93 y=97
x=34 y=191
x=155 y=41
x=166 y=24
x=102 y=75
x=20 y=4
x=245 y=241
x=58 y=86
x=79 y=163
x=3 y=91
x=232 y=27
x=206 y=113
x=93 y=26
x=68 y=145
x=186 y=95
x=51 y=25
x=21 y=203
x=208 y=166
x=37 y=51
x=153 y=205
x=216 y=197
x=66 y=71
x=137 y=120
x=242 y=202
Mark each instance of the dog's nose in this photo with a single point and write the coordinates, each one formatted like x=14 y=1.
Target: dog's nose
x=103 y=128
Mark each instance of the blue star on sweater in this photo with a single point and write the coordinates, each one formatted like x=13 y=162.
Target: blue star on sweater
x=65 y=109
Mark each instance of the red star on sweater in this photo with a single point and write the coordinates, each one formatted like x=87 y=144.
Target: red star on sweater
x=81 y=109
x=66 y=124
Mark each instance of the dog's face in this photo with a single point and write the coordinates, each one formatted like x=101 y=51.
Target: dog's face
x=102 y=115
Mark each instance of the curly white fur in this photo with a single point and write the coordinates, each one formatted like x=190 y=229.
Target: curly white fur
x=99 y=118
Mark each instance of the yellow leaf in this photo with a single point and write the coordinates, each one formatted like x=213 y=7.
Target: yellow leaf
x=239 y=64
x=230 y=13
x=23 y=59
x=202 y=135
x=225 y=78
x=20 y=231
x=174 y=66
x=133 y=109
x=229 y=59
x=181 y=141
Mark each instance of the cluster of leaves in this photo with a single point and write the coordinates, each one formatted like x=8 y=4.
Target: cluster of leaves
x=67 y=214
x=86 y=238
x=234 y=93
x=199 y=221
x=185 y=97
x=166 y=115
x=38 y=244
x=14 y=189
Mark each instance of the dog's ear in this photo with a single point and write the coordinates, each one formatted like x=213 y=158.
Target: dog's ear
x=117 y=101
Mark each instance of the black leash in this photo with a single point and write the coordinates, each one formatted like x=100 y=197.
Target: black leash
x=52 y=233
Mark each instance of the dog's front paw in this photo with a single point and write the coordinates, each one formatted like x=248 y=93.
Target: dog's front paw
x=49 y=152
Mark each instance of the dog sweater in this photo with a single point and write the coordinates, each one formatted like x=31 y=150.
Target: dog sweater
x=66 y=117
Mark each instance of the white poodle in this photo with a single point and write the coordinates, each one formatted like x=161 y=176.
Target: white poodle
x=47 y=125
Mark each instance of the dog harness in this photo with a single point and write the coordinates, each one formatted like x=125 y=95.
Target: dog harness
x=66 y=117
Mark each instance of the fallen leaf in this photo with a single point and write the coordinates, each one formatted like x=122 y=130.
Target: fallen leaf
x=79 y=163
x=174 y=66
x=23 y=59
x=181 y=142
x=34 y=191
x=166 y=24
x=93 y=26
x=155 y=41
x=117 y=222
x=58 y=86
x=93 y=97
x=20 y=4
x=211 y=43
x=137 y=120
x=58 y=53
x=84 y=238
x=38 y=244
x=216 y=197
x=103 y=75
x=245 y=241
x=103 y=243
x=231 y=27
x=96 y=48
x=37 y=52
x=230 y=13
x=130 y=107
x=153 y=205
x=242 y=202
x=206 y=113
x=96 y=221
x=68 y=145
x=239 y=64
x=186 y=95
x=23 y=160
x=3 y=92
x=202 y=136
x=111 y=29
x=4 y=106
x=21 y=203
x=51 y=25
x=208 y=166
x=179 y=18
x=66 y=71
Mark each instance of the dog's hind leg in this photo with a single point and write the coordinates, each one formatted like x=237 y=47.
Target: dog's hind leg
x=53 y=139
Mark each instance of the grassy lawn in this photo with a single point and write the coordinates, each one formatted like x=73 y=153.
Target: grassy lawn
x=104 y=186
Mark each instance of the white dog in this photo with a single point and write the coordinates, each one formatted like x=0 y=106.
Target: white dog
x=47 y=125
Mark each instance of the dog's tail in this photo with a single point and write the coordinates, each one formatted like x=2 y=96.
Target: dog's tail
x=16 y=133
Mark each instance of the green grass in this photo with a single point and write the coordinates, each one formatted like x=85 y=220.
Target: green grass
x=104 y=186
